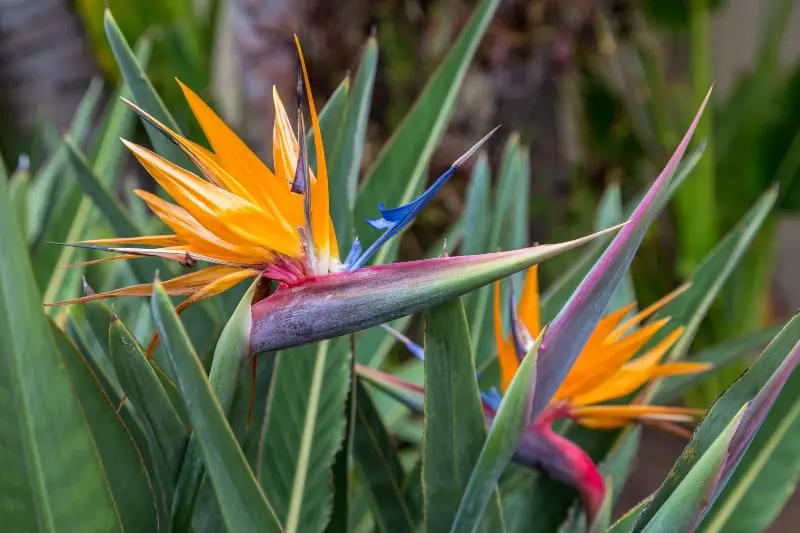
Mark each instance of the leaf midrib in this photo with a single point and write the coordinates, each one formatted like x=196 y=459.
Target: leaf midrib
x=301 y=473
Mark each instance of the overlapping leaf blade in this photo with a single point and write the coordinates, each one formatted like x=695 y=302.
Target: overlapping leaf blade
x=509 y=423
x=722 y=412
x=243 y=505
x=34 y=462
x=571 y=328
x=454 y=431
x=306 y=408
x=378 y=463
x=124 y=470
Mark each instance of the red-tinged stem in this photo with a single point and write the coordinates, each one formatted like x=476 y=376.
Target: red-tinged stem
x=544 y=449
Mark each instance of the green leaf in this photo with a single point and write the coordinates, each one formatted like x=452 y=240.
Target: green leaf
x=230 y=354
x=44 y=192
x=124 y=469
x=720 y=414
x=343 y=462
x=39 y=402
x=379 y=465
x=18 y=188
x=331 y=122
x=109 y=153
x=610 y=213
x=478 y=208
x=626 y=521
x=768 y=474
x=243 y=505
x=480 y=320
x=691 y=307
x=100 y=193
x=398 y=171
x=507 y=427
x=603 y=519
x=145 y=391
x=455 y=430
x=345 y=163
x=143 y=93
x=304 y=428
x=678 y=511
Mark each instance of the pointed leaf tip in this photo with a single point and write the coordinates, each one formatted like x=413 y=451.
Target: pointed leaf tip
x=345 y=302
x=573 y=325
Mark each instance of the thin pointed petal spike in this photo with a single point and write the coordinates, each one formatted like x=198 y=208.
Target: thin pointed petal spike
x=395 y=219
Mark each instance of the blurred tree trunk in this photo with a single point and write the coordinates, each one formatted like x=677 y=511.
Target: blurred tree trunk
x=45 y=65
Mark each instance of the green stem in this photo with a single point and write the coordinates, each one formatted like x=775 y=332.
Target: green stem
x=696 y=200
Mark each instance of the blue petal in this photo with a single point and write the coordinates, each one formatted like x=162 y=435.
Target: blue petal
x=492 y=398
x=355 y=251
x=392 y=221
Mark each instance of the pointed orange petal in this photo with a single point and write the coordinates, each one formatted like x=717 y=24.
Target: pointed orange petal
x=181 y=286
x=204 y=160
x=609 y=416
x=653 y=356
x=630 y=377
x=601 y=364
x=320 y=209
x=199 y=239
x=506 y=355
x=679 y=369
x=226 y=215
x=233 y=153
x=147 y=240
x=529 y=311
x=642 y=315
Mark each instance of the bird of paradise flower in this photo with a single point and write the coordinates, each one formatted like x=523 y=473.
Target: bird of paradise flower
x=606 y=370
x=242 y=220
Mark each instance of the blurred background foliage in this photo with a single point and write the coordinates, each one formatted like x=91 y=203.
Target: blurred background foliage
x=597 y=89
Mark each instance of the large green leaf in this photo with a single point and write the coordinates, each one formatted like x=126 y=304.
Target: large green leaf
x=342 y=469
x=455 y=429
x=721 y=355
x=45 y=433
x=480 y=320
x=243 y=505
x=44 y=192
x=110 y=151
x=345 y=162
x=398 y=172
x=145 y=391
x=679 y=509
x=378 y=463
x=124 y=468
x=721 y=413
x=509 y=424
x=230 y=355
x=304 y=427
x=768 y=474
x=143 y=93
